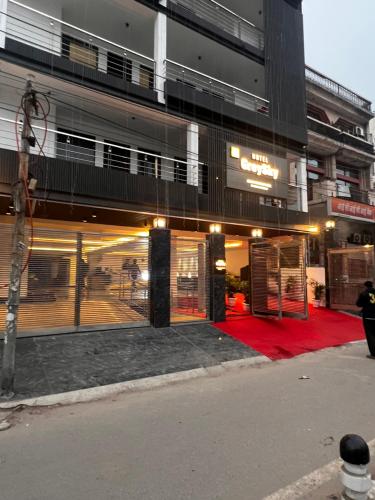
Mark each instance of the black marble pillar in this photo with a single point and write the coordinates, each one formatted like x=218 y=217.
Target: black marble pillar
x=330 y=241
x=216 y=251
x=160 y=268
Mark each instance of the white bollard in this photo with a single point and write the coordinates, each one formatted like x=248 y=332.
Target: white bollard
x=355 y=476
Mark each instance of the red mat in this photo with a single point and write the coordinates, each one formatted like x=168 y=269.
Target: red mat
x=290 y=337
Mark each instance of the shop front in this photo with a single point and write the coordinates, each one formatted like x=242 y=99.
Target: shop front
x=344 y=248
x=76 y=281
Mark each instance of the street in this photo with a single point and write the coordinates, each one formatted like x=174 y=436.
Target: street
x=238 y=436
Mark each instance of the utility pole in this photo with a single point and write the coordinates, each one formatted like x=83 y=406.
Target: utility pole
x=18 y=245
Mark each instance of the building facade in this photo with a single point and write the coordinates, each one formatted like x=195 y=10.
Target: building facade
x=165 y=119
x=341 y=190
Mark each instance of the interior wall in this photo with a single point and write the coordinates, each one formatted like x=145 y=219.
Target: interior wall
x=316 y=274
x=236 y=259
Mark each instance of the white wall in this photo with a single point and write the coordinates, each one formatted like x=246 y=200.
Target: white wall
x=317 y=274
x=3 y=21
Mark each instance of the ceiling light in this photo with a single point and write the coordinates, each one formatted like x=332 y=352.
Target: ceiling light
x=160 y=223
x=256 y=233
x=215 y=228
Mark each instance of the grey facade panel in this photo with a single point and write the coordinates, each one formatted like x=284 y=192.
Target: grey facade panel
x=285 y=65
x=61 y=180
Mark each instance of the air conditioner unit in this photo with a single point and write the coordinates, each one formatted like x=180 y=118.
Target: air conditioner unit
x=359 y=131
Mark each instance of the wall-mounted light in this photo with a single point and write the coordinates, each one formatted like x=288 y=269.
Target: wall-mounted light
x=313 y=229
x=160 y=222
x=256 y=233
x=221 y=265
x=235 y=152
x=215 y=228
x=330 y=224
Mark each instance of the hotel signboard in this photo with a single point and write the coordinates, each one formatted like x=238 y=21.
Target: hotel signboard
x=253 y=170
x=351 y=209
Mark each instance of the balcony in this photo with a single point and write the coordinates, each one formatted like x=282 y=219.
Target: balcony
x=337 y=89
x=213 y=73
x=86 y=41
x=363 y=143
x=225 y=19
x=321 y=191
x=215 y=88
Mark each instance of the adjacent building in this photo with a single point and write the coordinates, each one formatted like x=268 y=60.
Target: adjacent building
x=176 y=134
x=341 y=190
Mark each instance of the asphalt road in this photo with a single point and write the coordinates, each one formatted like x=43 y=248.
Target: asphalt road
x=238 y=436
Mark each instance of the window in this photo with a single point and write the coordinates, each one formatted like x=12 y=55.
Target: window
x=342 y=170
x=345 y=126
x=180 y=170
x=348 y=183
x=73 y=148
x=116 y=157
x=79 y=51
x=314 y=162
x=149 y=163
x=269 y=201
x=146 y=77
x=317 y=114
x=119 y=66
x=315 y=174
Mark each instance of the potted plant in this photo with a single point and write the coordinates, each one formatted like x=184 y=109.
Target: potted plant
x=318 y=290
x=232 y=286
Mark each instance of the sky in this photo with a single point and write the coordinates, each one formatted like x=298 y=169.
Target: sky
x=340 y=42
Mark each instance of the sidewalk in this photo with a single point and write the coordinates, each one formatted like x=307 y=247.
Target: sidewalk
x=56 y=364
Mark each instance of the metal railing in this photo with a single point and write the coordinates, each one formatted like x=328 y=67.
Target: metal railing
x=360 y=135
x=42 y=31
x=337 y=89
x=225 y=19
x=216 y=88
x=318 y=191
x=72 y=146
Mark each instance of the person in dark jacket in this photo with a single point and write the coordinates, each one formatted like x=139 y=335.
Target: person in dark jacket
x=366 y=300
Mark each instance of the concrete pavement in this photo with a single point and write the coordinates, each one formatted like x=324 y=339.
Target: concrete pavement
x=241 y=435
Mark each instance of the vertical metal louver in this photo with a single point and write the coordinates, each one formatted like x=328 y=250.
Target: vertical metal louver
x=348 y=270
x=278 y=278
x=75 y=281
x=189 y=280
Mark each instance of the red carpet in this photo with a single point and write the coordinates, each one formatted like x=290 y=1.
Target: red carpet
x=290 y=337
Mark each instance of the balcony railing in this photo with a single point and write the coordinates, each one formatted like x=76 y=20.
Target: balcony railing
x=363 y=142
x=225 y=19
x=337 y=89
x=84 y=149
x=42 y=31
x=320 y=191
x=216 y=88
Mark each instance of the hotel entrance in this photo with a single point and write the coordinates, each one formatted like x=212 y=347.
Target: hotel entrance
x=237 y=298
x=266 y=278
x=188 y=279
x=278 y=278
